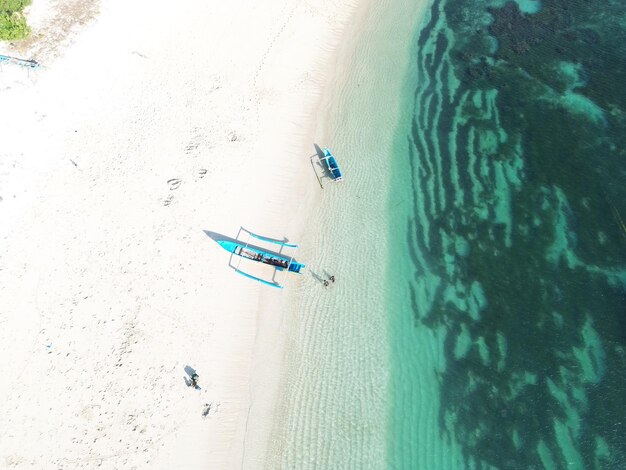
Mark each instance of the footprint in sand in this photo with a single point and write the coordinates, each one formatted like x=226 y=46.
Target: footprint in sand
x=168 y=200
x=201 y=173
x=192 y=146
x=174 y=183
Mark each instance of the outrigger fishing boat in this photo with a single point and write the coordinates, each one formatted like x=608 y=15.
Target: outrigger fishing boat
x=33 y=64
x=332 y=166
x=279 y=261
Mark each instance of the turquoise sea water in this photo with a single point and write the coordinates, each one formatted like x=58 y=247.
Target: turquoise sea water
x=516 y=234
x=479 y=243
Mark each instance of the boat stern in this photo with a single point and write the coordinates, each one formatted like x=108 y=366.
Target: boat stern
x=296 y=267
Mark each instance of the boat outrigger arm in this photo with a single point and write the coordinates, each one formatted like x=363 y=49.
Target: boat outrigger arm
x=277 y=260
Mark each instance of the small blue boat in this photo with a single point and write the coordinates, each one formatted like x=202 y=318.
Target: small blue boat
x=332 y=166
x=279 y=261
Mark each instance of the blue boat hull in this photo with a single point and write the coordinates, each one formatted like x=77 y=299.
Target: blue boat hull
x=261 y=256
x=332 y=166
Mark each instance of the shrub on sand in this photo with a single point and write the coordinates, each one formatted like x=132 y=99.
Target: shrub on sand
x=12 y=6
x=13 y=26
x=12 y=22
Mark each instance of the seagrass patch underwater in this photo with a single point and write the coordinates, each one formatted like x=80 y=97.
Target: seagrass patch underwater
x=517 y=232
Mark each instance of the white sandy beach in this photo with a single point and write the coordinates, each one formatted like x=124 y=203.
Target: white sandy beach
x=149 y=125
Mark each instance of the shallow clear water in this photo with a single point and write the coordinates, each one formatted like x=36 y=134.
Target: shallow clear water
x=335 y=410
x=479 y=243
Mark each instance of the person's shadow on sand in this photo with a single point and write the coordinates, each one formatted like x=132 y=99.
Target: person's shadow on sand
x=192 y=378
x=316 y=276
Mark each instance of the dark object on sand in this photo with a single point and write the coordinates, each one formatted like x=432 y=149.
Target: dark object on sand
x=194 y=380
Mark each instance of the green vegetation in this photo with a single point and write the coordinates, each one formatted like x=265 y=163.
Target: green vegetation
x=12 y=22
x=13 y=5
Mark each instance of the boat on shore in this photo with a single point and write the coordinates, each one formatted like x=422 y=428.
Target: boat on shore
x=255 y=254
x=333 y=167
x=33 y=64
x=279 y=261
